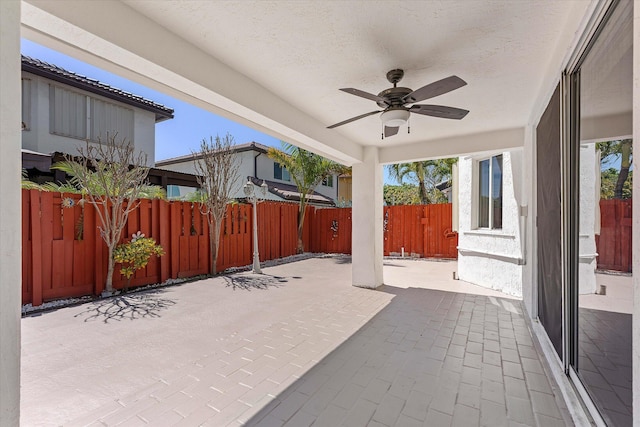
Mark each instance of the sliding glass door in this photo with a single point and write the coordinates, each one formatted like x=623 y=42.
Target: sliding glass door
x=599 y=299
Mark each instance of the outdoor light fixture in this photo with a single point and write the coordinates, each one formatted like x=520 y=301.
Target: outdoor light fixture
x=394 y=118
x=249 y=191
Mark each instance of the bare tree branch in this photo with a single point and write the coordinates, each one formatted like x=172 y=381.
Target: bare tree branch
x=111 y=177
x=216 y=168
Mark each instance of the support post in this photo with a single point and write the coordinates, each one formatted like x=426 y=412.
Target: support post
x=10 y=212
x=367 y=212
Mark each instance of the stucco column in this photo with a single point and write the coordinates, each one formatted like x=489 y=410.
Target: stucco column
x=367 y=233
x=635 y=248
x=528 y=187
x=10 y=212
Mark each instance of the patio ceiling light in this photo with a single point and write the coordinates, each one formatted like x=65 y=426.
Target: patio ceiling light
x=395 y=117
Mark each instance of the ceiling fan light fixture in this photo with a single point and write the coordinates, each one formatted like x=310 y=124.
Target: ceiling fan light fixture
x=395 y=118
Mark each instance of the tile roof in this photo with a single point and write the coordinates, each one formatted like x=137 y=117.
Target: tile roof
x=238 y=148
x=290 y=192
x=53 y=72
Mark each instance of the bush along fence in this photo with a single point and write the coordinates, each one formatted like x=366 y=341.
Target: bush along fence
x=64 y=256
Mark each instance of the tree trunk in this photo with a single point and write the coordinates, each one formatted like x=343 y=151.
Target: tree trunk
x=624 y=168
x=214 y=237
x=108 y=284
x=301 y=213
x=422 y=191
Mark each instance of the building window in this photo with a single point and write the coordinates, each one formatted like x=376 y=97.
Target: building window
x=280 y=172
x=26 y=104
x=68 y=115
x=107 y=119
x=328 y=181
x=75 y=115
x=490 y=193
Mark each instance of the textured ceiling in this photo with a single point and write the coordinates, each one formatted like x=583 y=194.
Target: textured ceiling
x=277 y=65
x=305 y=51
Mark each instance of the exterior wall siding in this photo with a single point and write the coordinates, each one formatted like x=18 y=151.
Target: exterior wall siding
x=490 y=258
x=38 y=137
x=263 y=170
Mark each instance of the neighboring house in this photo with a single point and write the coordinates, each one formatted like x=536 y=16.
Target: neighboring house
x=61 y=110
x=344 y=190
x=254 y=164
x=446 y=188
x=492 y=217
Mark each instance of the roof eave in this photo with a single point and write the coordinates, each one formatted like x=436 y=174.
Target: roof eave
x=160 y=115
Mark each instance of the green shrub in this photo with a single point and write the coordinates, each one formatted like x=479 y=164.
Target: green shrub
x=135 y=254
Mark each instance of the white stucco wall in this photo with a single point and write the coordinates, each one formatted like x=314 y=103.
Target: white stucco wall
x=10 y=214
x=491 y=258
x=265 y=171
x=263 y=168
x=38 y=138
x=587 y=241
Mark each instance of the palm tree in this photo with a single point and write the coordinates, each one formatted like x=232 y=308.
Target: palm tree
x=93 y=183
x=426 y=174
x=307 y=171
x=613 y=150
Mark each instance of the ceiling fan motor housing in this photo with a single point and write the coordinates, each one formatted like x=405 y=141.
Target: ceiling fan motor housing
x=393 y=96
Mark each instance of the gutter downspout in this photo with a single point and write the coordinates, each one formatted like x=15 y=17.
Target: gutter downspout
x=255 y=164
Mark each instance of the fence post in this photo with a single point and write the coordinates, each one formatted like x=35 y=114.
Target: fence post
x=36 y=248
x=175 y=221
x=165 y=224
x=100 y=274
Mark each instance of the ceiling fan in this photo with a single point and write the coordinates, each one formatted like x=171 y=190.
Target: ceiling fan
x=394 y=101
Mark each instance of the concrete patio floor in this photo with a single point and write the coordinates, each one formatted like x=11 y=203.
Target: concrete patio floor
x=297 y=346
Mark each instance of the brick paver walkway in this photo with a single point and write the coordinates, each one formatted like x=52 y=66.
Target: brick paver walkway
x=356 y=357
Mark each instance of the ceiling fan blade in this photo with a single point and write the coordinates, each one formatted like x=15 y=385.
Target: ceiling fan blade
x=353 y=119
x=435 y=89
x=390 y=131
x=439 y=111
x=363 y=94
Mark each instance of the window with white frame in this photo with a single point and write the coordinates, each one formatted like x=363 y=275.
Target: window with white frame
x=328 y=181
x=80 y=116
x=280 y=172
x=490 y=193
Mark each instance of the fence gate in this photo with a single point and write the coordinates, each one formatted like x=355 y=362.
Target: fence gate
x=439 y=240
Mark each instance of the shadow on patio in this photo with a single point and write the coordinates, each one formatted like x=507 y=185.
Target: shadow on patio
x=127 y=307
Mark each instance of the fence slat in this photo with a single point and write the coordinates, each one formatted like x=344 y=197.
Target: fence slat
x=614 y=242
x=27 y=268
x=38 y=244
x=165 y=241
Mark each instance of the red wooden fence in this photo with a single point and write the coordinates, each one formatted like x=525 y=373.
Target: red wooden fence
x=412 y=227
x=614 y=243
x=64 y=255
x=439 y=240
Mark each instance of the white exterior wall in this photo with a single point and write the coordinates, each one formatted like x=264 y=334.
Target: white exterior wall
x=264 y=170
x=587 y=226
x=491 y=258
x=38 y=138
x=10 y=214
